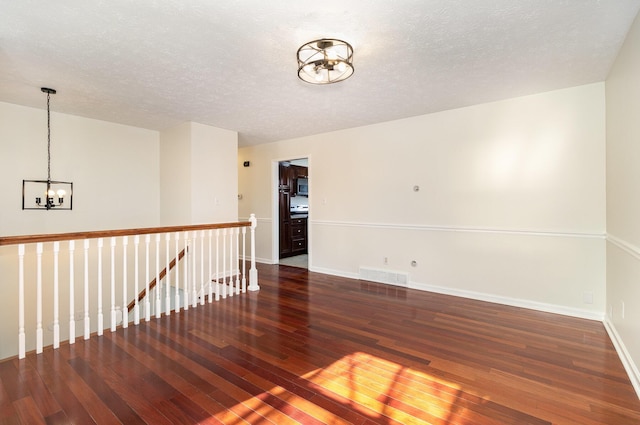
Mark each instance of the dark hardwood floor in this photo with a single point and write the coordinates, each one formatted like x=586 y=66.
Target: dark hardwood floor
x=314 y=349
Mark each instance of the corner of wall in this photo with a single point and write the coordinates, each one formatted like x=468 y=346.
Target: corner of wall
x=626 y=359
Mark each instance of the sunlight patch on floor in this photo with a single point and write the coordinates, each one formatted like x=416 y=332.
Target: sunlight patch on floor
x=371 y=384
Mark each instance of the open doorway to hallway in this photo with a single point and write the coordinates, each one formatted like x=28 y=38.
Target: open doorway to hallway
x=293 y=212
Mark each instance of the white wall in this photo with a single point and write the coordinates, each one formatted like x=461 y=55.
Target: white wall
x=510 y=207
x=199 y=175
x=114 y=170
x=214 y=174
x=175 y=175
x=623 y=203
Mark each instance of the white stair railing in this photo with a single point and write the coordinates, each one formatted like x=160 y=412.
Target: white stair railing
x=47 y=284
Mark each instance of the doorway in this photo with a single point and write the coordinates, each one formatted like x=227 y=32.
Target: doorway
x=293 y=212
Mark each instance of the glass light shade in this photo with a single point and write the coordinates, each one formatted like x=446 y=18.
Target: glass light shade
x=325 y=61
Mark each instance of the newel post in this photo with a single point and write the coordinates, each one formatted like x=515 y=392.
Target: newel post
x=253 y=272
x=21 y=334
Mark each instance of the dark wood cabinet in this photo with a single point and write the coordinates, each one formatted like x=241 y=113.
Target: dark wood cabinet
x=298 y=236
x=293 y=231
x=299 y=171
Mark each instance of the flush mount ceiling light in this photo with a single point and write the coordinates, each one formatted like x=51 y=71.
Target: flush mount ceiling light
x=325 y=61
x=47 y=194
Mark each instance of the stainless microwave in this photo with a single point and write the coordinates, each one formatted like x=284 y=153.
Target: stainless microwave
x=303 y=186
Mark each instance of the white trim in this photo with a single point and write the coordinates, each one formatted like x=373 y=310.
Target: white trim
x=627 y=247
x=423 y=227
x=275 y=210
x=514 y=302
x=480 y=296
x=332 y=272
x=629 y=366
x=266 y=220
x=264 y=260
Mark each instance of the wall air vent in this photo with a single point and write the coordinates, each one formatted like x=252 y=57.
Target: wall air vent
x=385 y=276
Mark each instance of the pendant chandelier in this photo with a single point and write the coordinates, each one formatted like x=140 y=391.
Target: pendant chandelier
x=325 y=61
x=47 y=194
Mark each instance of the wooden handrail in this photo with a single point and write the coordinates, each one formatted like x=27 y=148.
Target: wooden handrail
x=53 y=237
x=153 y=283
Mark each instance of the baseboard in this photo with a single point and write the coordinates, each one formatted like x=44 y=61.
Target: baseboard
x=623 y=354
x=629 y=366
x=332 y=272
x=480 y=296
x=513 y=302
x=264 y=260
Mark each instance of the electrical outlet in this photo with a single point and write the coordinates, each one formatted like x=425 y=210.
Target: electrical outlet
x=386 y=261
x=587 y=297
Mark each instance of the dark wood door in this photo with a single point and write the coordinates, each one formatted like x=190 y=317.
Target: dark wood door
x=285 y=221
x=284 y=202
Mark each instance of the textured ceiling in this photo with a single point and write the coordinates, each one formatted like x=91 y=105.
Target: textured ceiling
x=232 y=64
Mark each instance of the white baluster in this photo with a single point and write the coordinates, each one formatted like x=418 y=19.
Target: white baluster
x=136 y=280
x=39 y=298
x=187 y=256
x=147 y=296
x=113 y=285
x=152 y=295
x=194 y=295
x=244 y=260
x=237 y=262
x=253 y=272
x=56 y=295
x=125 y=302
x=86 y=320
x=100 y=314
x=157 y=287
x=72 y=294
x=224 y=263
x=22 y=346
x=217 y=264
x=177 y=299
x=167 y=276
x=202 y=267
x=209 y=276
x=231 y=291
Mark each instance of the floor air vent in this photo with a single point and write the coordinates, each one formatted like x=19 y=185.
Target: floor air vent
x=384 y=276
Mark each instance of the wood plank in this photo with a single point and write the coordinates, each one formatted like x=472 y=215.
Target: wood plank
x=310 y=348
x=28 y=411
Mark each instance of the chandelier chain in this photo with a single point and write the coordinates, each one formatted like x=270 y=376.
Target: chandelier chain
x=48 y=139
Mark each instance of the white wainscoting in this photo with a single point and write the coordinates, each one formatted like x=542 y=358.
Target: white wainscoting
x=632 y=254
x=561 y=264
